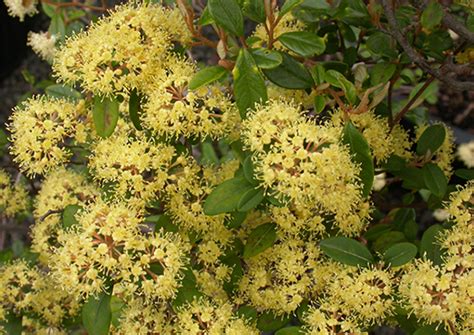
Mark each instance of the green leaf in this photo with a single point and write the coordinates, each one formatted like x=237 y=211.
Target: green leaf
x=382 y=44
x=57 y=27
x=293 y=330
x=376 y=231
x=249 y=173
x=266 y=59
x=412 y=178
x=249 y=86
x=431 y=139
x=400 y=254
x=304 y=43
x=69 y=215
x=105 y=114
x=208 y=154
x=48 y=9
x=269 y=322
x=288 y=6
x=228 y=15
x=386 y=240
x=250 y=199
x=254 y=10
x=188 y=290
x=467 y=174
x=247 y=312
x=12 y=324
x=61 y=91
x=3 y=138
x=432 y=15
x=337 y=79
x=206 y=76
x=429 y=247
x=97 y=314
x=361 y=151
x=290 y=74
x=236 y=220
x=319 y=103
x=226 y=196
x=205 y=17
x=116 y=307
x=318 y=72
x=381 y=73
x=435 y=180
x=346 y=251
x=430 y=330
x=260 y=239
x=134 y=109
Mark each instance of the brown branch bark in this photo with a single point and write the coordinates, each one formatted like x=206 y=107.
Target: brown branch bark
x=439 y=73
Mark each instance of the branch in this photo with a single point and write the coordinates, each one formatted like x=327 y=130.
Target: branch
x=452 y=23
x=439 y=73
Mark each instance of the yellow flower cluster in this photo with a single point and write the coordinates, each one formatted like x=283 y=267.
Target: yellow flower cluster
x=173 y=111
x=205 y=317
x=306 y=163
x=444 y=294
x=59 y=189
x=121 y=51
x=353 y=300
x=137 y=167
x=382 y=140
x=288 y=23
x=25 y=289
x=281 y=277
x=14 y=197
x=108 y=243
x=40 y=129
x=21 y=8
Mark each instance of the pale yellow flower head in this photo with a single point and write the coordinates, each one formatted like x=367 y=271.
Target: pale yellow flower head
x=43 y=44
x=40 y=128
x=121 y=51
x=14 y=197
x=173 y=110
x=465 y=153
x=21 y=8
x=59 y=189
x=297 y=160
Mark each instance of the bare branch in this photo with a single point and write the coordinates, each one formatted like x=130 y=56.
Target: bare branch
x=439 y=73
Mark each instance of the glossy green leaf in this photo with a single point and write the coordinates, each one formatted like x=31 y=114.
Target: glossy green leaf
x=249 y=85
x=249 y=172
x=105 y=114
x=260 y=239
x=400 y=254
x=361 y=152
x=429 y=246
x=57 y=26
x=386 y=240
x=250 y=199
x=381 y=73
x=435 y=180
x=432 y=15
x=188 y=290
x=292 y=330
x=226 y=196
x=467 y=174
x=431 y=139
x=206 y=76
x=228 y=15
x=205 y=18
x=288 y=6
x=304 y=43
x=266 y=59
x=116 y=307
x=347 y=251
x=290 y=74
x=268 y=322
x=376 y=231
x=48 y=9
x=337 y=79
x=254 y=10
x=247 y=312
x=69 y=215
x=12 y=324
x=382 y=44
x=134 y=109
x=97 y=314
x=320 y=102
x=61 y=91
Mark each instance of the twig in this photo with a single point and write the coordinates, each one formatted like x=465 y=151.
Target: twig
x=416 y=57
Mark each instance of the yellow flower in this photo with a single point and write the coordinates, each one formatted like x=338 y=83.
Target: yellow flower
x=14 y=197
x=39 y=129
x=121 y=51
x=21 y=8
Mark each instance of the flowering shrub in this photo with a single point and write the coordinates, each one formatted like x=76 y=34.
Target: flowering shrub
x=273 y=191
